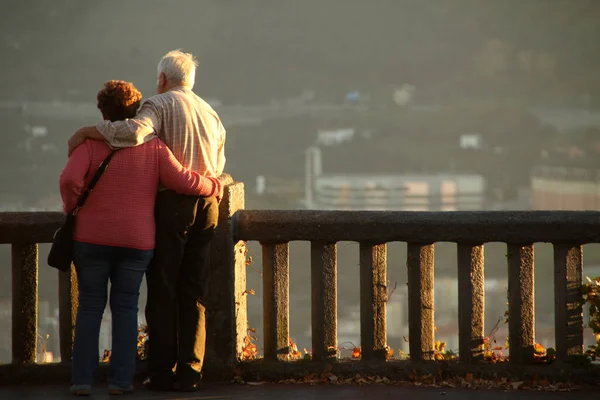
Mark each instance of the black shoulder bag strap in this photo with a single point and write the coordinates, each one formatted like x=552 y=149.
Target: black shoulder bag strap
x=92 y=183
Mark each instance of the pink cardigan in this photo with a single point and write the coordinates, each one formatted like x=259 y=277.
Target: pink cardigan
x=120 y=209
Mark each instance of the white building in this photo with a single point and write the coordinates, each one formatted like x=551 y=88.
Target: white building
x=390 y=192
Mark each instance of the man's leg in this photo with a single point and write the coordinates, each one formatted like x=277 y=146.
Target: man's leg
x=192 y=287
x=175 y=215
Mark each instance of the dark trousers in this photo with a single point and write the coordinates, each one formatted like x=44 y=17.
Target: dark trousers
x=177 y=281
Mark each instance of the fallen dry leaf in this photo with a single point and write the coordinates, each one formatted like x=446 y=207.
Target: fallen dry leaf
x=427 y=380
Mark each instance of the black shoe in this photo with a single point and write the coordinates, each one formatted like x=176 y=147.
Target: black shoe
x=188 y=386
x=160 y=385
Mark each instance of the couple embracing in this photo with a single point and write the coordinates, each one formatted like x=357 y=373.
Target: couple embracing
x=153 y=211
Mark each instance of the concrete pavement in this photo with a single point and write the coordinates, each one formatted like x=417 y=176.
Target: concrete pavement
x=297 y=392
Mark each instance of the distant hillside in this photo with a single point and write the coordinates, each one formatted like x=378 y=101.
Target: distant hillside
x=398 y=141
x=254 y=50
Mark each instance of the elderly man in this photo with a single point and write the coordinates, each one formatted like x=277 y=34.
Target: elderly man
x=177 y=277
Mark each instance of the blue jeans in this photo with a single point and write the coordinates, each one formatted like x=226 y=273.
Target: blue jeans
x=125 y=267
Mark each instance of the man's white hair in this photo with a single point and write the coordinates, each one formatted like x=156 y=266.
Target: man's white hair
x=179 y=67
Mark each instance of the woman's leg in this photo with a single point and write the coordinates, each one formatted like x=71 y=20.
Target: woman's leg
x=127 y=271
x=93 y=269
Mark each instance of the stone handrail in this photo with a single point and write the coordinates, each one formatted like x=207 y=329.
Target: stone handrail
x=568 y=231
x=227 y=307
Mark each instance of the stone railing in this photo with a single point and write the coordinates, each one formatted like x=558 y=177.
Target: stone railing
x=227 y=307
x=25 y=230
x=568 y=231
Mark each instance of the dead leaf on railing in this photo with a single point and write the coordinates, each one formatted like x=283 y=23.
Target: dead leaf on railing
x=250 y=351
x=334 y=351
x=294 y=354
x=438 y=353
x=389 y=353
x=539 y=350
x=491 y=351
x=307 y=354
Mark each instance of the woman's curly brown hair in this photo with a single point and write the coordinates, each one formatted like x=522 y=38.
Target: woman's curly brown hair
x=118 y=100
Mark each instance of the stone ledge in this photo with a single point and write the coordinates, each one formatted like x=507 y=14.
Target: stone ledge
x=34 y=374
x=401 y=370
x=53 y=373
x=277 y=371
x=420 y=227
x=60 y=373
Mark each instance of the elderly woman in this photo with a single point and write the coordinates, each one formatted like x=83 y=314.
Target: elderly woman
x=114 y=235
